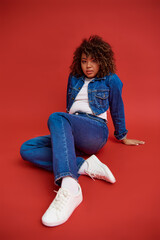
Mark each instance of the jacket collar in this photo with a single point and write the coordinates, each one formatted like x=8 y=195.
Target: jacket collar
x=95 y=79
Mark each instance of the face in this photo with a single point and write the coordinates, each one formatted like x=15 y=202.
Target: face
x=89 y=65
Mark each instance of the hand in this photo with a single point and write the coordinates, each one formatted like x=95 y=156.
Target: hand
x=132 y=142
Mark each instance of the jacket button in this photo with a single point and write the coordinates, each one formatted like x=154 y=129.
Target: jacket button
x=79 y=88
x=72 y=98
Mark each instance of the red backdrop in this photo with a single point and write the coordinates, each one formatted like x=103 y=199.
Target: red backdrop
x=37 y=43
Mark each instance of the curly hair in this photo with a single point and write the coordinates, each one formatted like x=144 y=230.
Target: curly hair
x=98 y=49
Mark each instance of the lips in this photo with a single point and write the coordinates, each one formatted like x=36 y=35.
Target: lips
x=89 y=72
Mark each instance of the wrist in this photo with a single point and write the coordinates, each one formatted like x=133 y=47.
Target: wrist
x=125 y=137
x=123 y=140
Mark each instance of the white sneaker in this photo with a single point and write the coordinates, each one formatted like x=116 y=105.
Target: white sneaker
x=62 y=207
x=96 y=169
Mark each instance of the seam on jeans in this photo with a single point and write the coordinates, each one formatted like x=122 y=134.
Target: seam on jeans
x=64 y=174
x=119 y=136
x=80 y=164
x=58 y=177
x=65 y=146
x=103 y=143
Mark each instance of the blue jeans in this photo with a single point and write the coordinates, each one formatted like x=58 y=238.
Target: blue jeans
x=71 y=137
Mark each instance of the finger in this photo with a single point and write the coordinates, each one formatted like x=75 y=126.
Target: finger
x=132 y=144
x=135 y=143
x=141 y=142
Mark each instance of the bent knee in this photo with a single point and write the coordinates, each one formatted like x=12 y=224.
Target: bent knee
x=54 y=116
x=25 y=150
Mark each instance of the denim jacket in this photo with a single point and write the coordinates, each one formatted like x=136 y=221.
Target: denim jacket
x=103 y=93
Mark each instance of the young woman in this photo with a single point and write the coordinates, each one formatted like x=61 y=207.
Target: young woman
x=93 y=87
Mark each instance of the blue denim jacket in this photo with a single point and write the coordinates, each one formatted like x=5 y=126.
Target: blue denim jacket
x=103 y=93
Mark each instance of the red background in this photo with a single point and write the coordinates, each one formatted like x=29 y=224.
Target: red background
x=37 y=40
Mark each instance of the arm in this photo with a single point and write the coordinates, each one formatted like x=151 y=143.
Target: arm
x=117 y=106
x=117 y=112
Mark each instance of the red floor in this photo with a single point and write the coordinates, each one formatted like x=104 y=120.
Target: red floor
x=37 y=42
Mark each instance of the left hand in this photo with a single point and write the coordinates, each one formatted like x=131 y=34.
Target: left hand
x=132 y=142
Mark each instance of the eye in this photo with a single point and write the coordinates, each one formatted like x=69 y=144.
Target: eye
x=94 y=60
x=83 y=61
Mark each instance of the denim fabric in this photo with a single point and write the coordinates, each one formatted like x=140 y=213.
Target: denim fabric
x=102 y=93
x=71 y=136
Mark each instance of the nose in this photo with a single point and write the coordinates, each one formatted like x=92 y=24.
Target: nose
x=88 y=64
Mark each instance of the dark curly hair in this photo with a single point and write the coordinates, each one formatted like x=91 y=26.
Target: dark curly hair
x=98 y=49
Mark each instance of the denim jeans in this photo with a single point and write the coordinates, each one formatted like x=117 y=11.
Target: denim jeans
x=71 y=137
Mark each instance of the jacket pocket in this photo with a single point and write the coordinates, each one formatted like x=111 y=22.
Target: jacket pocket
x=101 y=97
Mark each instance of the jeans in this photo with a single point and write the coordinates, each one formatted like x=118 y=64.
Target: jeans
x=71 y=137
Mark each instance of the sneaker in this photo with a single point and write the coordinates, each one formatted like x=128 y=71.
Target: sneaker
x=96 y=169
x=62 y=207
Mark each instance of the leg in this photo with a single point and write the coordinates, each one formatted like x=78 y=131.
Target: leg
x=69 y=132
x=38 y=151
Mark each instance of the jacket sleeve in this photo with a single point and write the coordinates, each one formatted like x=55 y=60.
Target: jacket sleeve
x=117 y=106
x=67 y=95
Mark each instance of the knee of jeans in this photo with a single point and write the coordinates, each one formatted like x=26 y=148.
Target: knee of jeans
x=53 y=116
x=24 y=151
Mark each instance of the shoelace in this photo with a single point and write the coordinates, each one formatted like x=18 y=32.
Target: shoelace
x=91 y=175
x=94 y=175
x=60 y=200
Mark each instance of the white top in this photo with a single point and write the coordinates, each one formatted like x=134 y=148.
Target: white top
x=81 y=101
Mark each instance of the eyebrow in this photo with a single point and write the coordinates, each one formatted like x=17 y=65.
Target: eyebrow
x=86 y=58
